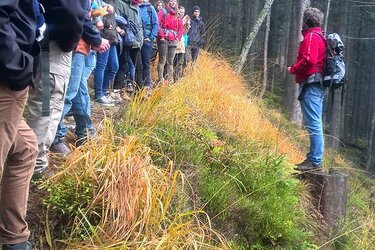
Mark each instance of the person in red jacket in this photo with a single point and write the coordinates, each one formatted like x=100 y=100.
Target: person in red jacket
x=308 y=71
x=170 y=32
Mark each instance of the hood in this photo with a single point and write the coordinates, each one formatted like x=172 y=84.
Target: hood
x=314 y=29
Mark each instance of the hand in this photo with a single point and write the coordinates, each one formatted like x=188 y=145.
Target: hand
x=120 y=31
x=289 y=68
x=147 y=40
x=110 y=9
x=104 y=46
x=100 y=25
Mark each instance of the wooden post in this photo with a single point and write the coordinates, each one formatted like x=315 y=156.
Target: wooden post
x=330 y=193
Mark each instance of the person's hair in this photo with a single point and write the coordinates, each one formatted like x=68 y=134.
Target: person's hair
x=158 y=3
x=181 y=7
x=313 y=17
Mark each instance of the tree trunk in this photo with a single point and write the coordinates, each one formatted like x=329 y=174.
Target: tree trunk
x=292 y=89
x=327 y=15
x=265 y=57
x=251 y=37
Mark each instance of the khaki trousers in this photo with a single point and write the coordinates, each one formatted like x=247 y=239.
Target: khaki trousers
x=45 y=127
x=18 y=150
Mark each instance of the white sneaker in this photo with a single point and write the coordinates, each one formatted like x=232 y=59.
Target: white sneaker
x=105 y=101
x=116 y=97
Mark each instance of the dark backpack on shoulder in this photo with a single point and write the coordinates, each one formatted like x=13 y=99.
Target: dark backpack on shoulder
x=334 y=65
x=131 y=32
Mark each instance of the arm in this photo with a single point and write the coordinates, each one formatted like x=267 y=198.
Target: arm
x=16 y=66
x=161 y=33
x=309 y=58
x=65 y=21
x=154 y=24
x=90 y=35
x=202 y=34
x=180 y=29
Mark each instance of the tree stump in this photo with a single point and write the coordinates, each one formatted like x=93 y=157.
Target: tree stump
x=330 y=193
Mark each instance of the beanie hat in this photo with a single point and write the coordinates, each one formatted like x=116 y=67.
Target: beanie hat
x=196 y=7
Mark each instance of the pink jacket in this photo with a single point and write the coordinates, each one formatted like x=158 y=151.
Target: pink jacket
x=171 y=28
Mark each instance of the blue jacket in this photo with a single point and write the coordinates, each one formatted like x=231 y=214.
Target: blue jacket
x=17 y=39
x=149 y=21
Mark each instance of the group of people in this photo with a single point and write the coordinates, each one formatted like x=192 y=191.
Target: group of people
x=48 y=53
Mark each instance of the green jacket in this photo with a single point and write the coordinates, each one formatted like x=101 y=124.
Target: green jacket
x=125 y=9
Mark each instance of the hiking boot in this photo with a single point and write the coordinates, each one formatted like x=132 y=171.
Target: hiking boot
x=308 y=166
x=19 y=246
x=105 y=101
x=61 y=148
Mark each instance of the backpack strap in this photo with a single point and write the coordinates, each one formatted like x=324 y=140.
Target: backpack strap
x=45 y=75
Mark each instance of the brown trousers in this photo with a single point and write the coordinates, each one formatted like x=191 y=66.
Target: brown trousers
x=18 y=150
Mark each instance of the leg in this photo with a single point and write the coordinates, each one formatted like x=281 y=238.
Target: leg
x=45 y=127
x=312 y=108
x=82 y=116
x=162 y=49
x=123 y=69
x=78 y=64
x=111 y=69
x=18 y=150
x=170 y=57
x=15 y=186
x=101 y=64
x=194 y=53
x=146 y=60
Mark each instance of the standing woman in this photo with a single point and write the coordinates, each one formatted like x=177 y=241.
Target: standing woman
x=179 y=62
x=107 y=62
x=170 y=32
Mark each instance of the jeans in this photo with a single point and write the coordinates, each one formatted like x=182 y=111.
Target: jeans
x=146 y=60
x=107 y=66
x=312 y=109
x=77 y=99
x=192 y=53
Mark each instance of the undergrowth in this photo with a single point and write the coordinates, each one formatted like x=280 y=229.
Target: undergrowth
x=196 y=158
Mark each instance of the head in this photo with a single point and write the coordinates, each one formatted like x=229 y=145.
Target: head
x=196 y=11
x=146 y=1
x=181 y=11
x=312 y=17
x=173 y=4
x=159 y=5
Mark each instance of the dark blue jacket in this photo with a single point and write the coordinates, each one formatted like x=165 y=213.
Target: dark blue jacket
x=197 y=32
x=64 y=19
x=90 y=34
x=17 y=42
x=149 y=21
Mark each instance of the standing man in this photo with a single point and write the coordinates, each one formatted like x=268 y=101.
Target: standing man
x=196 y=34
x=308 y=70
x=18 y=145
x=150 y=31
x=64 y=20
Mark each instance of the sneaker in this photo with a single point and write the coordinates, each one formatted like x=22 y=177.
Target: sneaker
x=60 y=148
x=308 y=166
x=116 y=97
x=147 y=91
x=19 y=246
x=105 y=101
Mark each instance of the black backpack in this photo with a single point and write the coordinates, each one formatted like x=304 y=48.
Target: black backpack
x=334 y=65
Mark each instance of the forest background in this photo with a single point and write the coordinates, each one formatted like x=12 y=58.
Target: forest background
x=350 y=111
